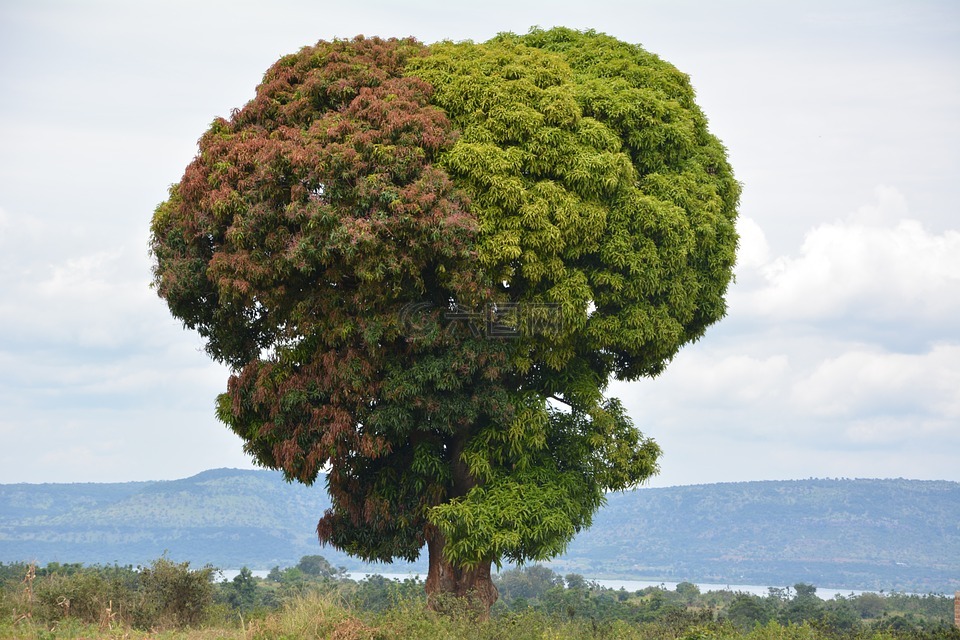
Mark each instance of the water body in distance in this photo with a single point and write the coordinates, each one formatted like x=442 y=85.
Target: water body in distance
x=636 y=585
x=629 y=585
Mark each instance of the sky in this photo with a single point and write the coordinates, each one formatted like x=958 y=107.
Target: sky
x=840 y=354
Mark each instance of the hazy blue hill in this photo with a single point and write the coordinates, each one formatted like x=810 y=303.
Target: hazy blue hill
x=225 y=517
x=878 y=534
x=890 y=534
x=20 y=502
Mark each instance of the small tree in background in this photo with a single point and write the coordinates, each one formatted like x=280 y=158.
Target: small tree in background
x=527 y=583
x=424 y=265
x=688 y=592
x=805 y=605
x=319 y=567
x=173 y=595
x=241 y=592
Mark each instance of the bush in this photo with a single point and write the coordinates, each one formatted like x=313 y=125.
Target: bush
x=84 y=595
x=377 y=593
x=173 y=595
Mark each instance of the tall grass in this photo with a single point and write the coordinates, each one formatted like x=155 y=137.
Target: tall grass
x=334 y=614
x=319 y=616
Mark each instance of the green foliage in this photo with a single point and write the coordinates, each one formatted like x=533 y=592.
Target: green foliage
x=163 y=595
x=575 y=581
x=376 y=593
x=561 y=179
x=528 y=583
x=81 y=595
x=688 y=591
x=804 y=607
x=596 y=184
x=241 y=592
x=747 y=611
x=173 y=594
x=318 y=567
x=535 y=604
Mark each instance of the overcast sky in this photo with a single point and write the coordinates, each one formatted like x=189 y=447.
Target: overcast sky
x=840 y=356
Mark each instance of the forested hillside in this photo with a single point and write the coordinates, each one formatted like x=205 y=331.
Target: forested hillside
x=872 y=534
x=226 y=517
x=868 y=534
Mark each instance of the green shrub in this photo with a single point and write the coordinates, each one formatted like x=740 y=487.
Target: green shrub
x=84 y=595
x=173 y=595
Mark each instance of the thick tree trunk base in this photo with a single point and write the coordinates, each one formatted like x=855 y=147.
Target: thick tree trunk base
x=452 y=590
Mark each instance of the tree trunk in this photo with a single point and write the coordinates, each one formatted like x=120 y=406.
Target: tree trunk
x=449 y=587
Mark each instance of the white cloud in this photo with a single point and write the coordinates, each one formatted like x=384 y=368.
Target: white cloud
x=99 y=299
x=107 y=444
x=897 y=433
x=778 y=400
x=113 y=414
x=83 y=276
x=866 y=267
x=82 y=454
x=890 y=207
x=870 y=382
x=724 y=379
x=753 y=251
x=17 y=233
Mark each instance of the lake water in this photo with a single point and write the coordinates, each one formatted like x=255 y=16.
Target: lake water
x=634 y=585
x=629 y=585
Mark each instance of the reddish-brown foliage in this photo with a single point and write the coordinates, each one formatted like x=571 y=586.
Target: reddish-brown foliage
x=309 y=220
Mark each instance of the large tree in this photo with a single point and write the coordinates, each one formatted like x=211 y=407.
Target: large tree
x=425 y=263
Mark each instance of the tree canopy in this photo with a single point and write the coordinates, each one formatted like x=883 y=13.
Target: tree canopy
x=425 y=263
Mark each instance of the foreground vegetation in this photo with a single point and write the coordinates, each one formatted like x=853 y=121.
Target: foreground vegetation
x=170 y=600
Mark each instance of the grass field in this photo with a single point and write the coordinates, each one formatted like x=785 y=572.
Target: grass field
x=322 y=616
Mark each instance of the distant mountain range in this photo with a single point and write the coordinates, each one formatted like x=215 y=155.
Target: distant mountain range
x=899 y=535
